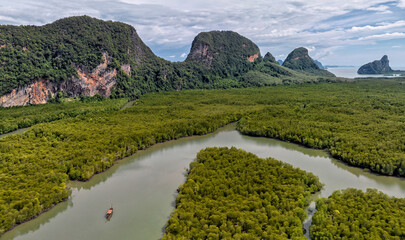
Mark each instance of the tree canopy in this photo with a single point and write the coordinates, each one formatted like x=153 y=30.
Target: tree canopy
x=233 y=194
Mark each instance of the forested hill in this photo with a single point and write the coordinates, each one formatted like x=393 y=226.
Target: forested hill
x=54 y=50
x=86 y=56
x=224 y=52
x=300 y=60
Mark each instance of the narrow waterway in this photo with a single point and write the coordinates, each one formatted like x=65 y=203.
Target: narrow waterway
x=19 y=131
x=142 y=188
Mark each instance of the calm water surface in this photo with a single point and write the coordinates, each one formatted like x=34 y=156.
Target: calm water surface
x=142 y=188
x=351 y=72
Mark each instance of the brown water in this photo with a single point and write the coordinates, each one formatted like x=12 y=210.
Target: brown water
x=142 y=188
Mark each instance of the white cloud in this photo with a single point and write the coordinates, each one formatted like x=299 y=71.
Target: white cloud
x=7 y=19
x=310 y=48
x=183 y=55
x=276 y=26
x=381 y=9
x=384 y=36
x=325 y=52
x=380 y=26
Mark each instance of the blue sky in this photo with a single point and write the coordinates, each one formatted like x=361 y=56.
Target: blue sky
x=336 y=32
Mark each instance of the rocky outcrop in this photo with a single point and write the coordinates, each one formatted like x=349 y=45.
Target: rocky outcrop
x=126 y=68
x=37 y=93
x=98 y=81
x=253 y=57
x=381 y=66
x=201 y=53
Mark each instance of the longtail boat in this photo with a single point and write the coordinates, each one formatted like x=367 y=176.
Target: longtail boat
x=109 y=213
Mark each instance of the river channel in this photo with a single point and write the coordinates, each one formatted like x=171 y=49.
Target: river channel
x=142 y=188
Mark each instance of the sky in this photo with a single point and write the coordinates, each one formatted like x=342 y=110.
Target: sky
x=336 y=32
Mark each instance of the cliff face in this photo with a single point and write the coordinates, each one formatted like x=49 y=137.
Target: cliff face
x=36 y=93
x=202 y=53
x=252 y=58
x=376 y=67
x=99 y=81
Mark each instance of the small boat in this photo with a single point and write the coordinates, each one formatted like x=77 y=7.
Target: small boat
x=109 y=213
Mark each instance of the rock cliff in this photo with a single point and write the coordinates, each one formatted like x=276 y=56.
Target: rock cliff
x=381 y=66
x=98 y=81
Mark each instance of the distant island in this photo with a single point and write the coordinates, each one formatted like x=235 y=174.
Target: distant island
x=381 y=66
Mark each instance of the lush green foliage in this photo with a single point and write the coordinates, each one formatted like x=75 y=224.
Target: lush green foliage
x=269 y=58
x=353 y=214
x=361 y=123
x=21 y=117
x=233 y=194
x=268 y=73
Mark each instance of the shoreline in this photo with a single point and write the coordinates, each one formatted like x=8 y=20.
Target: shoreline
x=338 y=158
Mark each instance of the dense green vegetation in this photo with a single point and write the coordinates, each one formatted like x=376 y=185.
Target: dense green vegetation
x=361 y=123
x=269 y=58
x=353 y=214
x=233 y=194
x=21 y=117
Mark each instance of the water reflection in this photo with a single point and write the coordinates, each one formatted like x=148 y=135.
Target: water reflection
x=39 y=222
